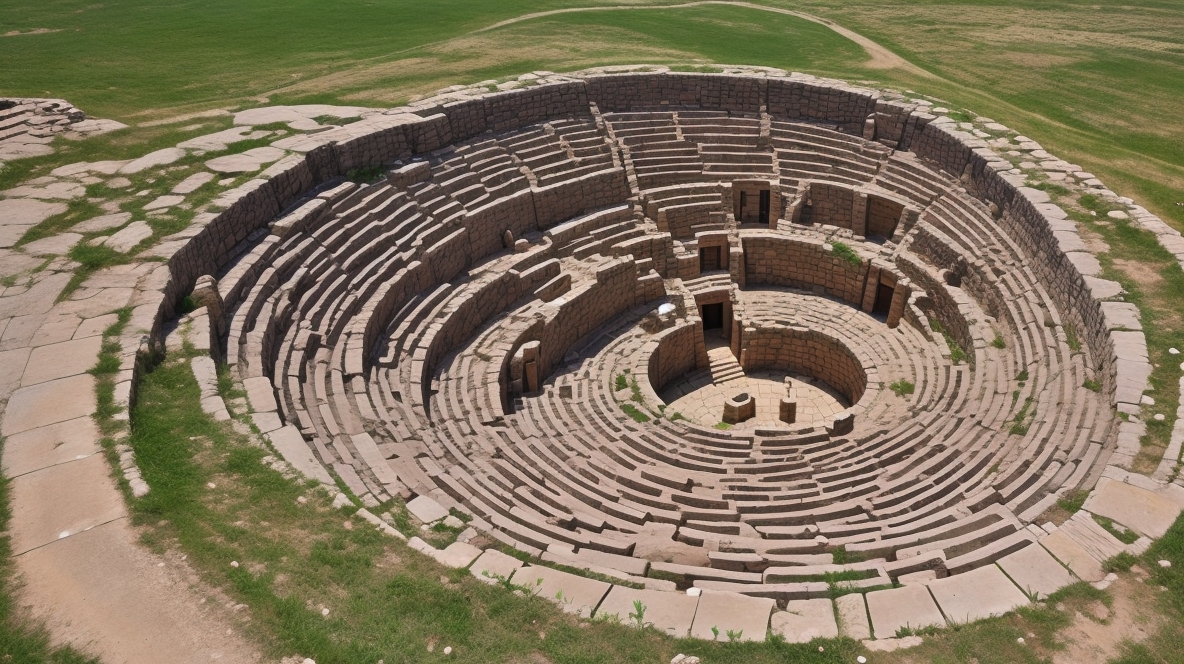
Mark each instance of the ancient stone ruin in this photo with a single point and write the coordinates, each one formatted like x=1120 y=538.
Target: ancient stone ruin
x=763 y=337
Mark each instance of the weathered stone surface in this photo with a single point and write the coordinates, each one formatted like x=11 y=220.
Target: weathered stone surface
x=977 y=594
x=53 y=245
x=747 y=618
x=425 y=509
x=291 y=446
x=155 y=159
x=669 y=612
x=493 y=564
x=62 y=500
x=1070 y=553
x=60 y=360
x=103 y=222
x=18 y=215
x=193 y=183
x=1035 y=571
x=853 y=620
x=573 y=594
x=804 y=620
x=1146 y=512
x=128 y=238
x=50 y=445
x=245 y=162
x=457 y=555
x=49 y=403
x=909 y=607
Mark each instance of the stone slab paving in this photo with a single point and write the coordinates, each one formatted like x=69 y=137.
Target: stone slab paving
x=1073 y=556
x=743 y=615
x=193 y=183
x=52 y=246
x=493 y=564
x=49 y=403
x=127 y=239
x=162 y=157
x=101 y=591
x=1035 y=571
x=573 y=594
x=425 y=509
x=47 y=446
x=670 y=612
x=291 y=446
x=12 y=367
x=103 y=222
x=977 y=594
x=457 y=555
x=60 y=360
x=804 y=620
x=245 y=162
x=18 y=215
x=260 y=394
x=853 y=620
x=911 y=606
x=62 y=500
x=1146 y=512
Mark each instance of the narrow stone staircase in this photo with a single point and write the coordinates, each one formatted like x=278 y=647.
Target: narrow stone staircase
x=725 y=368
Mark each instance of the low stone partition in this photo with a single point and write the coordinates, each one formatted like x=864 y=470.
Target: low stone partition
x=808 y=352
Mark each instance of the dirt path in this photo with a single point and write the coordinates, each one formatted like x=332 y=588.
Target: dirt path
x=881 y=58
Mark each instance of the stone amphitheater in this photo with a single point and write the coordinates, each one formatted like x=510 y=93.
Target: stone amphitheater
x=779 y=354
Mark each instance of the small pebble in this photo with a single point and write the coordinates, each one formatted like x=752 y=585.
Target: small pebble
x=821 y=649
x=324 y=612
x=861 y=659
x=234 y=563
x=309 y=660
x=1165 y=563
x=1159 y=417
x=1174 y=351
x=211 y=485
x=302 y=500
x=1020 y=640
x=448 y=650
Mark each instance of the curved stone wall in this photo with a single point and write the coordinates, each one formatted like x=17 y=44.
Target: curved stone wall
x=460 y=330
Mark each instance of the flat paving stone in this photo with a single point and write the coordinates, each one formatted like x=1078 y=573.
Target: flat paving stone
x=853 y=620
x=1148 y=513
x=1073 y=556
x=573 y=594
x=49 y=403
x=260 y=394
x=493 y=564
x=18 y=215
x=55 y=361
x=164 y=202
x=910 y=606
x=126 y=239
x=47 y=446
x=12 y=367
x=153 y=160
x=95 y=326
x=103 y=223
x=743 y=615
x=425 y=509
x=222 y=139
x=1035 y=571
x=457 y=555
x=266 y=422
x=245 y=162
x=63 y=500
x=977 y=594
x=55 y=245
x=291 y=446
x=62 y=191
x=103 y=592
x=804 y=620
x=193 y=183
x=670 y=612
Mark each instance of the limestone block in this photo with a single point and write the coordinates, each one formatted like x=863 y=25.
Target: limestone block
x=493 y=564
x=898 y=608
x=670 y=612
x=977 y=594
x=746 y=617
x=1035 y=571
x=573 y=594
x=804 y=620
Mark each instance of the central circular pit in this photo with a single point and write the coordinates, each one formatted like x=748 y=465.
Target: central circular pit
x=536 y=316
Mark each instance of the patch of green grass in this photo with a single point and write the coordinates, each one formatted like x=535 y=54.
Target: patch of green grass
x=90 y=259
x=845 y=252
x=1124 y=535
x=1120 y=562
x=957 y=355
x=1073 y=502
x=1021 y=423
x=675 y=416
x=621 y=382
x=367 y=175
x=998 y=341
x=1054 y=189
x=635 y=413
x=902 y=387
x=723 y=426
x=1092 y=385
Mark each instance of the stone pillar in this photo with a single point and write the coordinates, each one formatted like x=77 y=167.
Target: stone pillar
x=859 y=213
x=870 y=287
x=900 y=298
x=789 y=410
x=530 y=367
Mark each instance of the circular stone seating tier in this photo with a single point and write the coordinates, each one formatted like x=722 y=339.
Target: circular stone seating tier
x=460 y=329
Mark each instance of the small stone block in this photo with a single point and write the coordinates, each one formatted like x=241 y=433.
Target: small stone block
x=747 y=617
x=573 y=594
x=853 y=621
x=425 y=509
x=670 y=612
x=492 y=564
x=1035 y=571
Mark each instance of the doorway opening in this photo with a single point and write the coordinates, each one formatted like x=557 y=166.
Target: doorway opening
x=883 y=303
x=713 y=316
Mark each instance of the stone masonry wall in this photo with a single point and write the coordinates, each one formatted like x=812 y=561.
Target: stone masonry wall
x=803 y=351
x=800 y=262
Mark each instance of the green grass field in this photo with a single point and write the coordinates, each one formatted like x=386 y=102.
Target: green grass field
x=1097 y=84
